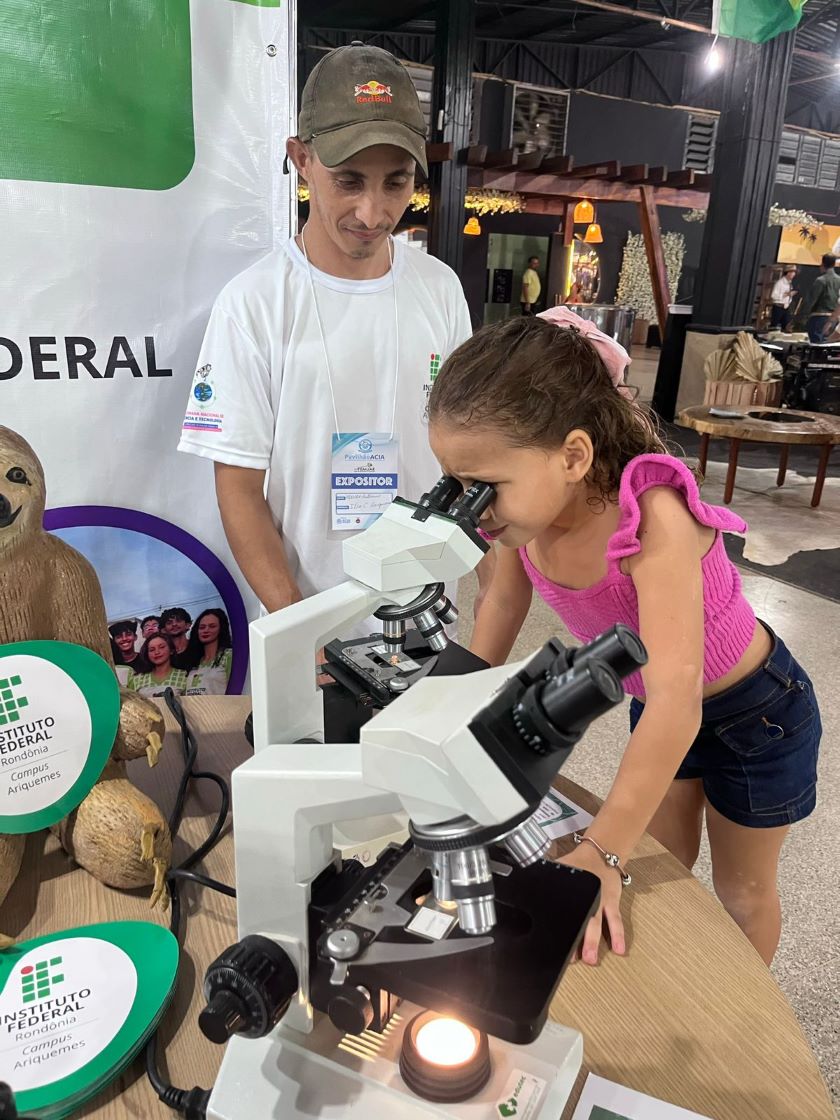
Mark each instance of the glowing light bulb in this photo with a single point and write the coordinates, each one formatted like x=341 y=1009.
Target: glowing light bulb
x=446 y=1042
x=714 y=59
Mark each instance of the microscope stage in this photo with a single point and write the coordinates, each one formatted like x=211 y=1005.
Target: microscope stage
x=501 y=983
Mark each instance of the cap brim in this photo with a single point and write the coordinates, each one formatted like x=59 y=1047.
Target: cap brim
x=342 y=144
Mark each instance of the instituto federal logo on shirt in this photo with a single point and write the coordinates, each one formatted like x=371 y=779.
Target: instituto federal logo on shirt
x=434 y=370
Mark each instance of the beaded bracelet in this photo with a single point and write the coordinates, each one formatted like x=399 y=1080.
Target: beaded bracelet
x=610 y=858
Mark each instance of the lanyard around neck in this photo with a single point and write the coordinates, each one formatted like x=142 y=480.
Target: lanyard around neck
x=324 y=339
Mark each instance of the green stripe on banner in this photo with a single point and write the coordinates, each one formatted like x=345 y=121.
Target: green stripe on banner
x=758 y=20
x=97 y=93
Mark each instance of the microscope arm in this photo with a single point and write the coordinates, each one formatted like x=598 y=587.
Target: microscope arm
x=287 y=703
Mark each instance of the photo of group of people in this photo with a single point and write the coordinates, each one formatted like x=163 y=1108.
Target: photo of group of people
x=186 y=646
x=170 y=650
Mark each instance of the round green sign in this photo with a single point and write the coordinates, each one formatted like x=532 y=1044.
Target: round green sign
x=77 y=1006
x=59 y=712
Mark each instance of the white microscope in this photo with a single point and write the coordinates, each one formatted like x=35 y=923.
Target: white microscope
x=417 y=988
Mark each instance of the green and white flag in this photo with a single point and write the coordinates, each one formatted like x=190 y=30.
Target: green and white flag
x=755 y=20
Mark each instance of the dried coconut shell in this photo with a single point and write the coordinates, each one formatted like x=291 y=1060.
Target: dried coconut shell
x=118 y=834
x=141 y=728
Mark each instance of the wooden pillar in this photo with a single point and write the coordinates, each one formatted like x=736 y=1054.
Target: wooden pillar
x=656 y=258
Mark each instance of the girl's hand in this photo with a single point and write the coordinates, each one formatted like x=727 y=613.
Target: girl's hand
x=587 y=858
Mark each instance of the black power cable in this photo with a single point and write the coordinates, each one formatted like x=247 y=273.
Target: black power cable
x=191 y=1103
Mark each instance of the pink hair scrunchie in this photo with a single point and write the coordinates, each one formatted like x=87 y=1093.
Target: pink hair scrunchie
x=612 y=353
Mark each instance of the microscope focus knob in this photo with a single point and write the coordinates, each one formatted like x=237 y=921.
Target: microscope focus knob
x=248 y=989
x=351 y=1010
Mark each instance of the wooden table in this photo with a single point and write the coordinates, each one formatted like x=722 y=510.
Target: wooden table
x=819 y=429
x=692 y=1015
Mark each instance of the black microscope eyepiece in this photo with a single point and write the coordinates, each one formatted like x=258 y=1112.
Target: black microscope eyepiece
x=472 y=503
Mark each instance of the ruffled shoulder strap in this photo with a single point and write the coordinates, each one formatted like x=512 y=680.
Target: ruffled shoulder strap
x=647 y=471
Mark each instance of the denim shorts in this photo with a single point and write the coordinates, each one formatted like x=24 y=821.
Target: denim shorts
x=756 y=750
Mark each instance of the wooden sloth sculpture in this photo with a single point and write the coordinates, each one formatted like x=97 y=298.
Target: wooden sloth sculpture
x=48 y=591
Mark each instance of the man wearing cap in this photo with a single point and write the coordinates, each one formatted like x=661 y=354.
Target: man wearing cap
x=319 y=358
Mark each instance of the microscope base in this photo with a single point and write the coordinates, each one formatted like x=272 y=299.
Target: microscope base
x=303 y=1077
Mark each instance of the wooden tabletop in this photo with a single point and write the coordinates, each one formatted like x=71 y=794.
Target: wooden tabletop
x=691 y=1015
x=819 y=428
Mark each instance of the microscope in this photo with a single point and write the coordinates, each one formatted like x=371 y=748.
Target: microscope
x=418 y=987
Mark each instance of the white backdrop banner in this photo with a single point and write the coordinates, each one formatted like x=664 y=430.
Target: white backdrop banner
x=140 y=169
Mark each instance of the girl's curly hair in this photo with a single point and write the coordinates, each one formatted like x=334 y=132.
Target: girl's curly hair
x=534 y=382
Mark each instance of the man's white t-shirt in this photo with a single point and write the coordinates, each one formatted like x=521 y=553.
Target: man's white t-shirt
x=261 y=397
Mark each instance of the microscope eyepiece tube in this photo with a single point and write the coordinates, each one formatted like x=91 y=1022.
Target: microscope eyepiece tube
x=619 y=647
x=581 y=695
x=442 y=494
x=472 y=504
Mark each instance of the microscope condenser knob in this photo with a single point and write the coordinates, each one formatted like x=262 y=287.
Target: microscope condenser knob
x=248 y=989
x=351 y=1010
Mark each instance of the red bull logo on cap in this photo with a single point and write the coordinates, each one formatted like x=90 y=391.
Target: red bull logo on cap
x=373 y=91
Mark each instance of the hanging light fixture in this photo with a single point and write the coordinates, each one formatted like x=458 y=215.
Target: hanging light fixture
x=472 y=228
x=584 y=213
x=593 y=234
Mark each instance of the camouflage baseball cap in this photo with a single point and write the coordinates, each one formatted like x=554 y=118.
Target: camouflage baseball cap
x=358 y=96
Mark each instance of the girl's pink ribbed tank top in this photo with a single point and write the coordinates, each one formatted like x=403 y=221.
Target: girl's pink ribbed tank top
x=729 y=619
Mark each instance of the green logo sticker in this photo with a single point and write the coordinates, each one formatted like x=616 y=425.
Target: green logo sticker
x=97 y=93
x=434 y=367
x=37 y=981
x=10 y=704
x=77 y=1006
x=59 y=712
x=521 y=1097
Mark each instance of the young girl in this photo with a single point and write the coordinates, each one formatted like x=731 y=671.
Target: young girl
x=608 y=528
x=209 y=654
x=159 y=651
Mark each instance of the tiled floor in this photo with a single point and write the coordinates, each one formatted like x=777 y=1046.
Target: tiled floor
x=807 y=965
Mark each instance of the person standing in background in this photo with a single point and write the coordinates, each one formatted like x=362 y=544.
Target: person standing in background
x=822 y=299
x=531 y=287
x=781 y=298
